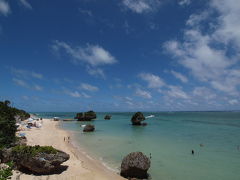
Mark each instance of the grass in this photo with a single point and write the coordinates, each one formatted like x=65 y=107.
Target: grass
x=33 y=150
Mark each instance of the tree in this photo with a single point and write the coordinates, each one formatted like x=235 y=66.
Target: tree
x=7 y=124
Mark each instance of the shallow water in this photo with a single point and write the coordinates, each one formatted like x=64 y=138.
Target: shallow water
x=169 y=137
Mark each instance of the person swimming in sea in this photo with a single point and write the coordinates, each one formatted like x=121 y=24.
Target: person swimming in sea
x=192 y=152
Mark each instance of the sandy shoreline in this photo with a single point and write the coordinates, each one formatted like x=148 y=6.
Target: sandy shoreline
x=79 y=165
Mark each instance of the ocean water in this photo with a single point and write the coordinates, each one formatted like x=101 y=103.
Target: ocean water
x=169 y=137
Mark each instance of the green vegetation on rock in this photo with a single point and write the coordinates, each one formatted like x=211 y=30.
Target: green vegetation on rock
x=24 y=150
x=6 y=173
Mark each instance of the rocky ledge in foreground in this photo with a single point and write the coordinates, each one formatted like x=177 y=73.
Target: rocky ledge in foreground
x=86 y=116
x=37 y=159
x=137 y=119
x=135 y=165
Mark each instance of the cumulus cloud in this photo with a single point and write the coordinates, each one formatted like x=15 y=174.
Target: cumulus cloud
x=207 y=53
x=204 y=93
x=89 y=87
x=141 y=6
x=143 y=94
x=177 y=92
x=76 y=94
x=93 y=55
x=180 y=76
x=4 y=8
x=97 y=72
x=26 y=4
x=153 y=81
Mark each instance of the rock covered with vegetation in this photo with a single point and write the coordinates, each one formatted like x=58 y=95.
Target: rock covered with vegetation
x=89 y=128
x=37 y=159
x=137 y=119
x=135 y=165
x=86 y=116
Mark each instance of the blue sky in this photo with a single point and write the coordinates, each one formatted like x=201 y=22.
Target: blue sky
x=120 y=55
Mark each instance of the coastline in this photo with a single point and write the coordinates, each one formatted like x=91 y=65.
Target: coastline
x=80 y=166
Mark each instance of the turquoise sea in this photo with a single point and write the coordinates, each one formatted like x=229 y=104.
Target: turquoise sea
x=169 y=137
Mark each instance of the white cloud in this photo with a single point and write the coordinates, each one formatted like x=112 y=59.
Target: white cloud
x=143 y=94
x=177 y=92
x=212 y=55
x=24 y=84
x=85 y=95
x=4 y=8
x=37 y=87
x=97 y=72
x=179 y=76
x=75 y=94
x=88 y=87
x=204 y=93
x=184 y=2
x=26 y=4
x=141 y=6
x=25 y=73
x=20 y=82
x=86 y=12
x=152 y=80
x=94 y=55
x=233 y=101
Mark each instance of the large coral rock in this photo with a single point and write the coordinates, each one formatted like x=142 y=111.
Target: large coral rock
x=135 y=165
x=86 y=116
x=89 y=128
x=107 y=117
x=137 y=118
x=36 y=161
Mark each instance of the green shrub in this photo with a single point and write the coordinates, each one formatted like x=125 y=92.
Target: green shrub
x=8 y=121
x=6 y=173
x=24 y=150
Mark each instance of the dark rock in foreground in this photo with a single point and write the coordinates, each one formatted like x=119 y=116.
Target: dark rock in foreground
x=137 y=119
x=86 y=116
x=135 y=165
x=89 y=128
x=107 y=117
x=37 y=159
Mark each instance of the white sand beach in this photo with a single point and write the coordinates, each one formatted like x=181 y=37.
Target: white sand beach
x=79 y=165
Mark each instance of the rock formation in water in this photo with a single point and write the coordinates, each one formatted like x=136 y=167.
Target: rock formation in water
x=36 y=159
x=137 y=119
x=107 y=117
x=135 y=165
x=86 y=116
x=89 y=128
